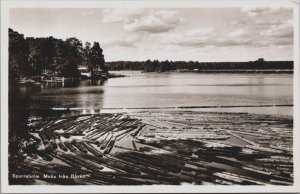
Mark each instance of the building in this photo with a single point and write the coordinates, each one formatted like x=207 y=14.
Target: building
x=84 y=72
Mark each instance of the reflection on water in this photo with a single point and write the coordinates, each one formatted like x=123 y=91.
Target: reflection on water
x=86 y=95
x=140 y=90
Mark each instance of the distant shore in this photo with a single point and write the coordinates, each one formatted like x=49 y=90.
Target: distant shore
x=289 y=71
x=207 y=71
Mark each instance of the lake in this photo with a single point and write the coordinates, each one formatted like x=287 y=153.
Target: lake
x=170 y=90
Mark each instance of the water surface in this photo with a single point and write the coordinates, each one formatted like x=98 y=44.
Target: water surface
x=146 y=90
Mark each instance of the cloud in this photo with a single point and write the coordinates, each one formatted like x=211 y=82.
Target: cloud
x=256 y=11
x=266 y=26
x=284 y=30
x=120 y=14
x=262 y=16
x=252 y=32
x=262 y=28
x=154 y=22
x=267 y=23
x=283 y=41
x=252 y=27
x=199 y=32
x=236 y=33
x=206 y=37
x=229 y=42
x=281 y=34
x=91 y=12
x=142 y=19
x=188 y=41
x=123 y=40
x=194 y=37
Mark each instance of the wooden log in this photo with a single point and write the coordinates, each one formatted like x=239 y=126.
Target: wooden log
x=139 y=128
x=106 y=141
x=79 y=146
x=99 y=143
x=51 y=139
x=70 y=146
x=44 y=155
x=48 y=146
x=110 y=145
x=84 y=162
x=91 y=149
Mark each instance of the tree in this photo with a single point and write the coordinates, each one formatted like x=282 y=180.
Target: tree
x=42 y=53
x=260 y=60
x=260 y=63
x=165 y=66
x=155 y=66
x=147 y=65
x=86 y=55
x=18 y=56
x=58 y=58
x=69 y=55
x=97 y=58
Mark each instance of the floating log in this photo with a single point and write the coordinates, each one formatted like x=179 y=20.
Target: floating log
x=44 y=155
x=134 y=146
x=70 y=146
x=110 y=146
x=91 y=149
x=62 y=146
x=79 y=146
x=106 y=141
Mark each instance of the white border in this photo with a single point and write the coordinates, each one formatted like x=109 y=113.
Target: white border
x=5 y=188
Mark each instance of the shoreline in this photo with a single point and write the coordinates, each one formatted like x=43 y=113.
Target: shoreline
x=232 y=71
x=260 y=71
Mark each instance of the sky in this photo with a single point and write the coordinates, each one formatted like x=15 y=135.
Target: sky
x=198 y=34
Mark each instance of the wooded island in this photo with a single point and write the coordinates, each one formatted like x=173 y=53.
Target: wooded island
x=29 y=57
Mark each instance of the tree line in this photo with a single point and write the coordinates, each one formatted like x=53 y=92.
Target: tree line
x=37 y=56
x=161 y=66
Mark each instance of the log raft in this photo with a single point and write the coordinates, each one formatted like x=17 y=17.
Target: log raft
x=172 y=148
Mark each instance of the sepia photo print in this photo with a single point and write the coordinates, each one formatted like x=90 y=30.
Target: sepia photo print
x=151 y=94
